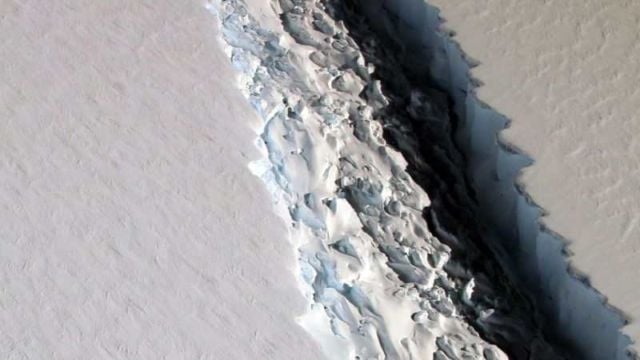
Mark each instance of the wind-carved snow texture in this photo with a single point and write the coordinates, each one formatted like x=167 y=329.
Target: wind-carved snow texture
x=380 y=284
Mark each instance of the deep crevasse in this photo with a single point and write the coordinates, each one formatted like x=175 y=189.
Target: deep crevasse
x=571 y=312
x=379 y=283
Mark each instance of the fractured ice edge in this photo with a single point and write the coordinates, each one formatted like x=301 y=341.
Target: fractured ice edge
x=346 y=170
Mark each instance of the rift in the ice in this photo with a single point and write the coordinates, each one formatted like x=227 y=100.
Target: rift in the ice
x=365 y=156
x=573 y=316
x=419 y=122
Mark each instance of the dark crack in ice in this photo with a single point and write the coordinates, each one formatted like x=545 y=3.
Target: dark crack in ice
x=360 y=157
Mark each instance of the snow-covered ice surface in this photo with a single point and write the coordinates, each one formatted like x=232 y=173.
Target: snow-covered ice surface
x=130 y=226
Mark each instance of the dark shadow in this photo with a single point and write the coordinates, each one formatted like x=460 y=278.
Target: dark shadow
x=492 y=226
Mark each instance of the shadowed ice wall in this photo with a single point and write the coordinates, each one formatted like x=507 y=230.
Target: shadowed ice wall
x=574 y=314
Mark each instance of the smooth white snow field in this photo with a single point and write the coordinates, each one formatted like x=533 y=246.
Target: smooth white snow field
x=566 y=73
x=130 y=225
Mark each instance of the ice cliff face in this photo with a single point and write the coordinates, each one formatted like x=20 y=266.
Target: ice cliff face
x=360 y=159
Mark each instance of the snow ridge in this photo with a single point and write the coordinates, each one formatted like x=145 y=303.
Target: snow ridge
x=379 y=283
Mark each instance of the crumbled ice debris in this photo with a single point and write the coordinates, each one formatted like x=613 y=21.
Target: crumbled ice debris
x=467 y=292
